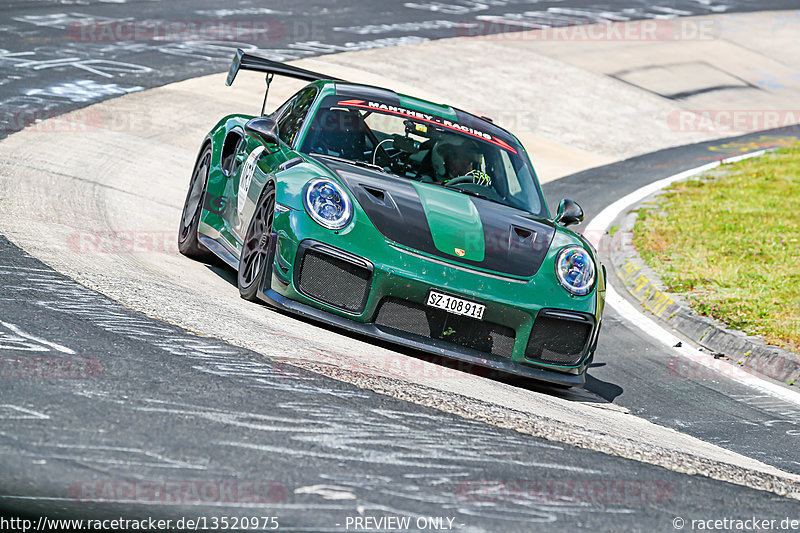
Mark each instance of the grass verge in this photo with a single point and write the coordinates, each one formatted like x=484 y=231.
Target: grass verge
x=729 y=241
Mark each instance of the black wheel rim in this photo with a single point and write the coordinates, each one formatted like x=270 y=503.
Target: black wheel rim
x=191 y=209
x=256 y=243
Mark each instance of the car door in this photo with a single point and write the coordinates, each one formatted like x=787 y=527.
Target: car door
x=260 y=162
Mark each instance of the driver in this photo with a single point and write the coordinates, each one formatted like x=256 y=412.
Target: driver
x=455 y=156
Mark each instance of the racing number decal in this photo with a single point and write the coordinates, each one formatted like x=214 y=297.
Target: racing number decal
x=246 y=177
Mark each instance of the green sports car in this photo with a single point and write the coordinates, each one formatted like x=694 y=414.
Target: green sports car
x=400 y=219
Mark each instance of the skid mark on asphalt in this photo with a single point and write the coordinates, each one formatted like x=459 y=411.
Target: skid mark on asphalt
x=121 y=456
x=327 y=492
x=414 y=438
x=393 y=458
x=446 y=457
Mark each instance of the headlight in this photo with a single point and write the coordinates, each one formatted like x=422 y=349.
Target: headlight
x=327 y=203
x=575 y=270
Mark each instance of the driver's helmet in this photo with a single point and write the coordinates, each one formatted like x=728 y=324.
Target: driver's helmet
x=453 y=156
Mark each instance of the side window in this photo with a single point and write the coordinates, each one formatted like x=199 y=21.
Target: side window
x=291 y=121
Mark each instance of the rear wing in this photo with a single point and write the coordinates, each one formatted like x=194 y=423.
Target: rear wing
x=248 y=61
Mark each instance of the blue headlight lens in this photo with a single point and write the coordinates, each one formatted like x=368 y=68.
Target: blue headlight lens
x=328 y=204
x=575 y=270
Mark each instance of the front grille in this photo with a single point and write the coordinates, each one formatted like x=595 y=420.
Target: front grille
x=418 y=319
x=334 y=281
x=559 y=340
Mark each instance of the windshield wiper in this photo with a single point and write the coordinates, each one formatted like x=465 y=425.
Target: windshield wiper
x=479 y=195
x=355 y=162
x=471 y=193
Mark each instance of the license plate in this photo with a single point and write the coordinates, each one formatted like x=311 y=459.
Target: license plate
x=454 y=305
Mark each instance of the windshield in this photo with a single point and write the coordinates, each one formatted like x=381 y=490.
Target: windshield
x=424 y=148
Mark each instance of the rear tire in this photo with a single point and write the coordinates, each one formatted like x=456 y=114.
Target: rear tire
x=256 y=245
x=188 y=233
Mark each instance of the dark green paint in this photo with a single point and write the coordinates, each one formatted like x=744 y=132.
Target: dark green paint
x=453 y=221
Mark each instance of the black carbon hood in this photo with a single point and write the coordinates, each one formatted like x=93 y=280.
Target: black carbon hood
x=514 y=243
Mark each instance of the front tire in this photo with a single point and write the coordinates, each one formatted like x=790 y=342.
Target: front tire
x=188 y=233
x=255 y=248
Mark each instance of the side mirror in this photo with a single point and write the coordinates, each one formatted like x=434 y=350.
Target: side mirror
x=569 y=213
x=264 y=129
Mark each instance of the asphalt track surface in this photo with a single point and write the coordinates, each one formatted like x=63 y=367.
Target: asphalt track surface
x=176 y=425
x=218 y=415
x=57 y=55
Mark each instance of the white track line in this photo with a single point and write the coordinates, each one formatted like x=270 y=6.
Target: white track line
x=595 y=230
x=599 y=224
x=18 y=331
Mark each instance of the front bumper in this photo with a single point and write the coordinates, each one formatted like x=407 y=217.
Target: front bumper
x=431 y=346
x=403 y=275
